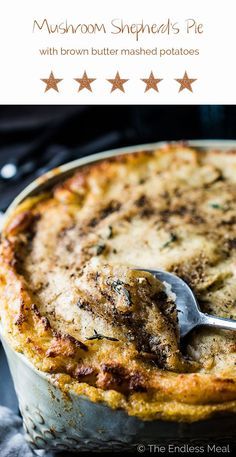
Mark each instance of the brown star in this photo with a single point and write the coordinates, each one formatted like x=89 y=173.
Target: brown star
x=151 y=82
x=117 y=83
x=85 y=82
x=185 y=82
x=51 y=82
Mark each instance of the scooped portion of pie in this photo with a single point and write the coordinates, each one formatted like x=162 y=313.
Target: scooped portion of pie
x=75 y=301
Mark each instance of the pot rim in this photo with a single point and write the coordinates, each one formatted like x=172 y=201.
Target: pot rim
x=23 y=358
x=55 y=174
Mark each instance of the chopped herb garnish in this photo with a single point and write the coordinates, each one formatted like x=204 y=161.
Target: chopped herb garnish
x=100 y=248
x=216 y=206
x=172 y=238
x=119 y=287
x=98 y=336
x=110 y=232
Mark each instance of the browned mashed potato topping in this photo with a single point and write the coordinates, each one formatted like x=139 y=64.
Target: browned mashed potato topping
x=73 y=303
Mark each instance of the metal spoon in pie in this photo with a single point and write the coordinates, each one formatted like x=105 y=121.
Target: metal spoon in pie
x=189 y=314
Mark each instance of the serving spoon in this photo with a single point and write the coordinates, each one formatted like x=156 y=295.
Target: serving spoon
x=189 y=314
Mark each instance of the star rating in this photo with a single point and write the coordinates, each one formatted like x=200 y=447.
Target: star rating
x=186 y=82
x=117 y=83
x=85 y=82
x=51 y=82
x=151 y=82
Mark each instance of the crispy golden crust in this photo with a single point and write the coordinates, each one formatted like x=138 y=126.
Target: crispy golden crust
x=70 y=301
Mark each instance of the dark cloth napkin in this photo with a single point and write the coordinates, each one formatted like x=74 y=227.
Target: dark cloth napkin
x=12 y=441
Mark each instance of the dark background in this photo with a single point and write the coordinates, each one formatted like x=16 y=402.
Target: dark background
x=36 y=138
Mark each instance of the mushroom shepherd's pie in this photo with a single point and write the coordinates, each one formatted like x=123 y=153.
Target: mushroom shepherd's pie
x=73 y=304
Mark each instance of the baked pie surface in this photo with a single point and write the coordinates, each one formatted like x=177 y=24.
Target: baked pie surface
x=71 y=301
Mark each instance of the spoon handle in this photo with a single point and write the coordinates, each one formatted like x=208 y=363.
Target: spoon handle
x=220 y=322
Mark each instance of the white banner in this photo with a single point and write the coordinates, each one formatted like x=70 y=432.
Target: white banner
x=126 y=52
